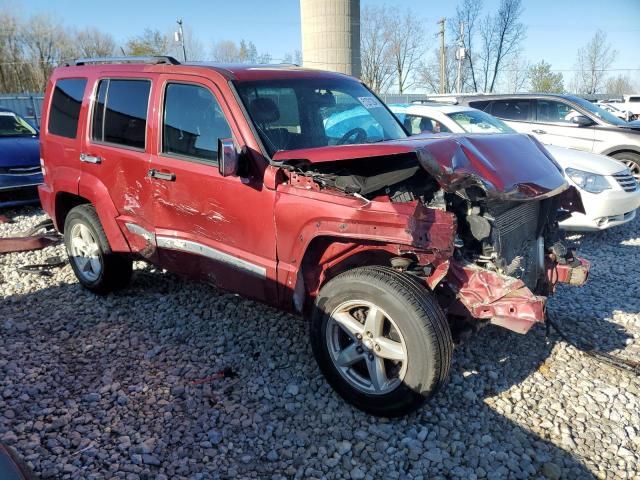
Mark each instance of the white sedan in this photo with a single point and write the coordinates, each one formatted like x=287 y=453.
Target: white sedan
x=609 y=192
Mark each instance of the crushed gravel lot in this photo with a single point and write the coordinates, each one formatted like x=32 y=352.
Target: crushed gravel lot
x=107 y=387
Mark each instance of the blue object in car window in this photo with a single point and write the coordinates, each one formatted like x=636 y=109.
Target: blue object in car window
x=340 y=123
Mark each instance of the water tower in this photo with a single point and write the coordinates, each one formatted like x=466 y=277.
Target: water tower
x=331 y=35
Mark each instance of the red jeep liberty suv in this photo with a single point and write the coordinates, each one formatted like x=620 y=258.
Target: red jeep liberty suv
x=299 y=188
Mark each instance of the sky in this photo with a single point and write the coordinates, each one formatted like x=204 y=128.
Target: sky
x=556 y=29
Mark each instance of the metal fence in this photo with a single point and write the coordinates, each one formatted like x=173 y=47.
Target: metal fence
x=27 y=105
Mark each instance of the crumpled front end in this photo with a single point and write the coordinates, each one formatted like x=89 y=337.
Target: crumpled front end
x=504 y=195
x=506 y=301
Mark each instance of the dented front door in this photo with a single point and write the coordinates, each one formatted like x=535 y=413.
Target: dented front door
x=208 y=226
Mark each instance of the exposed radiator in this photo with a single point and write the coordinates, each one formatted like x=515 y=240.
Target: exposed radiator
x=514 y=240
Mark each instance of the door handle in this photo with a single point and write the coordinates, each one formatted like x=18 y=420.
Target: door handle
x=168 y=176
x=86 y=158
x=538 y=131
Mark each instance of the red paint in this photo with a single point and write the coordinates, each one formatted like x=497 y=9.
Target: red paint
x=292 y=234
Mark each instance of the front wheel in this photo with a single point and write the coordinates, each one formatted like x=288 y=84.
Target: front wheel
x=381 y=340
x=632 y=161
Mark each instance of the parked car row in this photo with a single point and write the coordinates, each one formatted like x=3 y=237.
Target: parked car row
x=260 y=180
x=608 y=190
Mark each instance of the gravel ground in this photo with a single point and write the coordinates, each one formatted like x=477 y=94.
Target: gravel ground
x=103 y=387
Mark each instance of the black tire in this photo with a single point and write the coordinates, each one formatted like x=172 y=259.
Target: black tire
x=116 y=269
x=631 y=160
x=420 y=321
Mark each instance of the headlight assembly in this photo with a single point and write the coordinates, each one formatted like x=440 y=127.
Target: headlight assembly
x=591 y=182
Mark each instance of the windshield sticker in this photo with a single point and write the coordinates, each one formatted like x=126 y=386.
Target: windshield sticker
x=369 y=102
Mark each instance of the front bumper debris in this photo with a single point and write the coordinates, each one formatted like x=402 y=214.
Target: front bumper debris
x=505 y=301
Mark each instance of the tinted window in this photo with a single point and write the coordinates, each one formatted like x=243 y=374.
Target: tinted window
x=554 y=112
x=511 y=109
x=480 y=104
x=193 y=122
x=65 y=107
x=123 y=119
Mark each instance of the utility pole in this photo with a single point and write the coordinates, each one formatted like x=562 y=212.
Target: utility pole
x=442 y=54
x=460 y=55
x=179 y=37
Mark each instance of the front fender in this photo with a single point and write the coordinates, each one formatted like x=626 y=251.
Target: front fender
x=303 y=216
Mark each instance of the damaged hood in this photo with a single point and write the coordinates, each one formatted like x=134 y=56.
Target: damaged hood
x=505 y=166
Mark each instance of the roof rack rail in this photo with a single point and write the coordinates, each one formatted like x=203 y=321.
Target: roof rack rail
x=448 y=99
x=152 y=60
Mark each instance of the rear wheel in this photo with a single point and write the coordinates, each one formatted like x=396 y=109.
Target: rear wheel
x=95 y=265
x=381 y=340
x=631 y=160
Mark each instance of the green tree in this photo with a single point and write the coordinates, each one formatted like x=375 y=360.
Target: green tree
x=543 y=80
x=151 y=42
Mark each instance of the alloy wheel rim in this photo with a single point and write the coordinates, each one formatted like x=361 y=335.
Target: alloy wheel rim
x=366 y=347
x=634 y=168
x=85 y=252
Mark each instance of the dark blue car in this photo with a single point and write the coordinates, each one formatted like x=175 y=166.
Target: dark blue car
x=20 y=171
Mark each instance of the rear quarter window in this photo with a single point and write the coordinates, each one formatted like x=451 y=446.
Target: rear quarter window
x=65 y=107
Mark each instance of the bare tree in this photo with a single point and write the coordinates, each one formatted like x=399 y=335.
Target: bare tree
x=592 y=63
x=46 y=45
x=151 y=42
x=12 y=64
x=192 y=45
x=429 y=74
x=543 y=80
x=225 y=51
x=377 y=69
x=91 y=42
x=619 y=85
x=295 y=57
x=468 y=13
x=405 y=36
x=517 y=75
x=501 y=37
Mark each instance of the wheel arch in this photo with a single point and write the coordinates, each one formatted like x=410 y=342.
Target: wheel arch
x=327 y=256
x=625 y=149
x=65 y=201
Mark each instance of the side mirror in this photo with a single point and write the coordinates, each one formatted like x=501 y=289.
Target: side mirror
x=581 y=121
x=228 y=157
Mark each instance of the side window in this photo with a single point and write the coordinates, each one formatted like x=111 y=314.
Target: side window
x=480 y=104
x=416 y=124
x=511 y=109
x=193 y=122
x=65 y=107
x=120 y=112
x=548 y=111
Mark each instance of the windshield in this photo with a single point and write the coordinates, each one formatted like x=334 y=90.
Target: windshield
x=308 y=113
x=598 y=112
x=12 y=125
x=476 y=121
